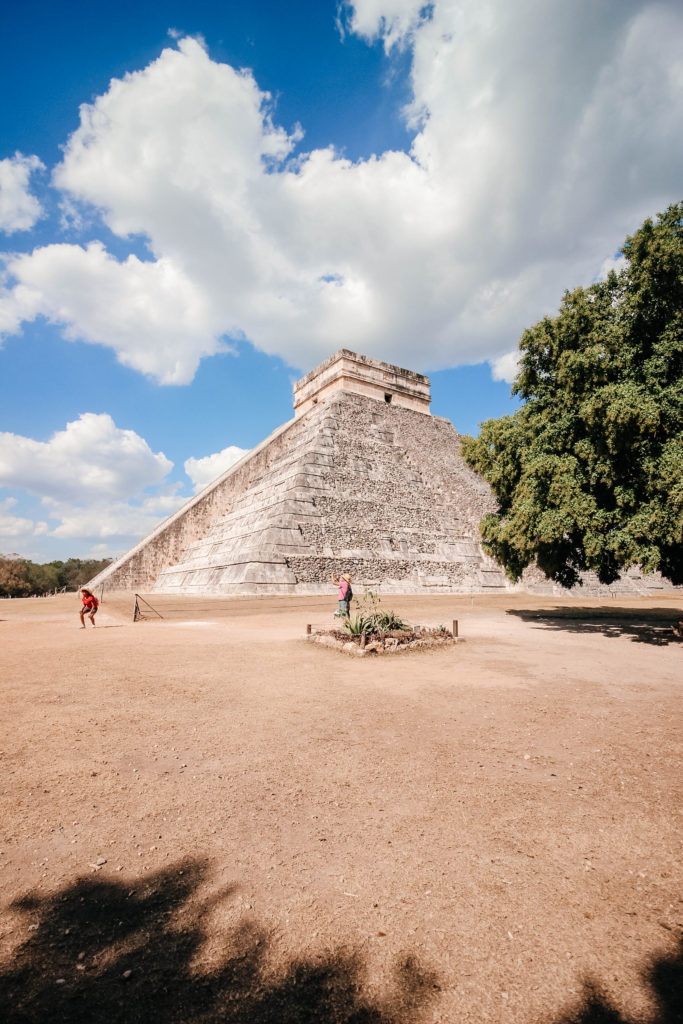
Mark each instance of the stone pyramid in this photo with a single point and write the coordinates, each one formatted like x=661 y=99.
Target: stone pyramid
x=363 y=479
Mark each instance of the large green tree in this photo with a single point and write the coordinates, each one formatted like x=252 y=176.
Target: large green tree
x=589 y=471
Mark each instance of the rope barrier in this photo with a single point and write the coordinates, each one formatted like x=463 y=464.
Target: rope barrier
x=137 y=612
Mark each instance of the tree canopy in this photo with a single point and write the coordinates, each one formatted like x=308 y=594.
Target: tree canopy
x=588 y=472
x=19 y=577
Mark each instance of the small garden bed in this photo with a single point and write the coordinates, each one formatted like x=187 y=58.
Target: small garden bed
x=375 y=631
x=388 y=643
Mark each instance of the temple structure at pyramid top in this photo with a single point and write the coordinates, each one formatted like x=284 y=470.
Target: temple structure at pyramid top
x=361 y=375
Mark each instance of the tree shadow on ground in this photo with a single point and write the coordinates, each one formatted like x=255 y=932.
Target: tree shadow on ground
x=664 y=978
x=99 y=952
x=656 y=626
x=102 y=953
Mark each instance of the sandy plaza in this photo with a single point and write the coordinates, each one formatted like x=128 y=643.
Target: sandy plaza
x=205 y=818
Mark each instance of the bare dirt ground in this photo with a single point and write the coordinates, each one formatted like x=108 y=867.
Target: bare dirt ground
x=206 y=819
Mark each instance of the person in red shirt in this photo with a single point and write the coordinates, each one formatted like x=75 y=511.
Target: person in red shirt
x=90 y=606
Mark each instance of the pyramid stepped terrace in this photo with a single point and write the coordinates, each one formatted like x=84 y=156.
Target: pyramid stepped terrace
x=363 y=479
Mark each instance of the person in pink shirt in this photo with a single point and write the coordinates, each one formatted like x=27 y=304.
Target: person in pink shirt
x=344 y=594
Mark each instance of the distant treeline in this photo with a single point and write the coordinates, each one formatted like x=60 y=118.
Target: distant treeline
x=20 y=577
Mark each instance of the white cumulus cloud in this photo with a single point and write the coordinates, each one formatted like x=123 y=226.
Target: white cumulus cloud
x=90 y=459
x=93 y=480
x=393 y=20
x=19 y=210
x=15 y=526
x=615 y=263
x=156 y=319
x=544 y=132
x=506 y=366
x=100 y=519
x=101 y=550
x=204 y=471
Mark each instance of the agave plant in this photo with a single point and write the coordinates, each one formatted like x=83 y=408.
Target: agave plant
x=359 y=625
x=389 y=620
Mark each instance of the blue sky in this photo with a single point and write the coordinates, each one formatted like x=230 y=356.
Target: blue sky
x=200 y=202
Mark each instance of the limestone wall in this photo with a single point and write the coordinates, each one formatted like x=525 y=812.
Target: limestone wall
x=632 y=583
x=140 y=567
x=376 y=489
x=386 y=575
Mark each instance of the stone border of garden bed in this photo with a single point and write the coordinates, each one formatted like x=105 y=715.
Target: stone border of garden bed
x=419 y=638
